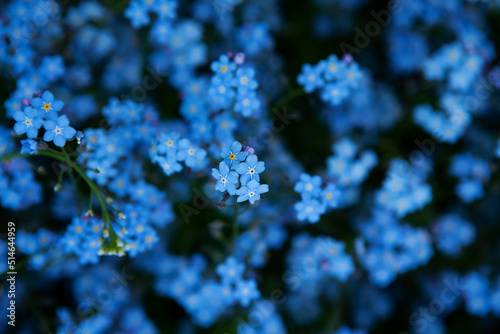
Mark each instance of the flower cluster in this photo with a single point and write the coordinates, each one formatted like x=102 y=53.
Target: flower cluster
x=382 y=158
x=315 y=199
x=388 y=248
x=448 y=125
x=18 y=186
x=459 y=64
x=336 y=78
x=404 y=189
x=329 y=255
x=472 y=173
x=234 y=85
x=83 y=239
x=138 y=12
x=452 y=233
x=169 y=149
x=238 y=173
x=42 y=110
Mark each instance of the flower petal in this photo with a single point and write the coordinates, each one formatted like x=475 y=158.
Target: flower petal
x=59 y=141
x=47 y=96
x=20 y=128
x=19 y=116
x=49 y=125
x=63 y=121
x=68 y=132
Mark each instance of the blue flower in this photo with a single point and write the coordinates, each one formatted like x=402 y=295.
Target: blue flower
x=251 y=192
x=223 y=66
x=233 y=155
x=137 y=14
x=226 y=180
x=335 y=93
x=58 y=131
x=244 y=80
x=29 y=146
x=27 y=122
x=246 y=292
x=47 y=104
x=231 y=271
x=308 y=186
x=169 y=164
x=190 y=154
x=247 y=103
x=221 y=91
x=250 y=169
x=310 y=78
x=166 y=9
x=310 y=210
x=334 y=68
x=331 y=196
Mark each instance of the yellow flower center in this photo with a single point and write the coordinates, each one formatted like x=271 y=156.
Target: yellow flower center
x=232 y=157
x=46 y=106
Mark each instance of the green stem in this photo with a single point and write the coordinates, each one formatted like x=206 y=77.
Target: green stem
x=12 y=156
x=91 y=184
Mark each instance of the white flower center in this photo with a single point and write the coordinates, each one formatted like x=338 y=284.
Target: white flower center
x=191 y=151
x=251 y=194
x=58 y=130
x=28 y=121
x=223 y=180
x=309 y=187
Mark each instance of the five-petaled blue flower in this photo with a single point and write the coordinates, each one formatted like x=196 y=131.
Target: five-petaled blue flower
x=27 y=122
x=226 y=180
x=224 y=66
x=231 y=271
x=233 y=155
x=189 y=153
x=250 y=169
x=58 y=131
x=47 y=104
x=251 y=192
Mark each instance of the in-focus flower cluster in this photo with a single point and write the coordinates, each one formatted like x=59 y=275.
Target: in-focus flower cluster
x=42 y=110
x=238 y=173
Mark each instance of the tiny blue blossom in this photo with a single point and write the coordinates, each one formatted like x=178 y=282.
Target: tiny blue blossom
x=226 y=180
